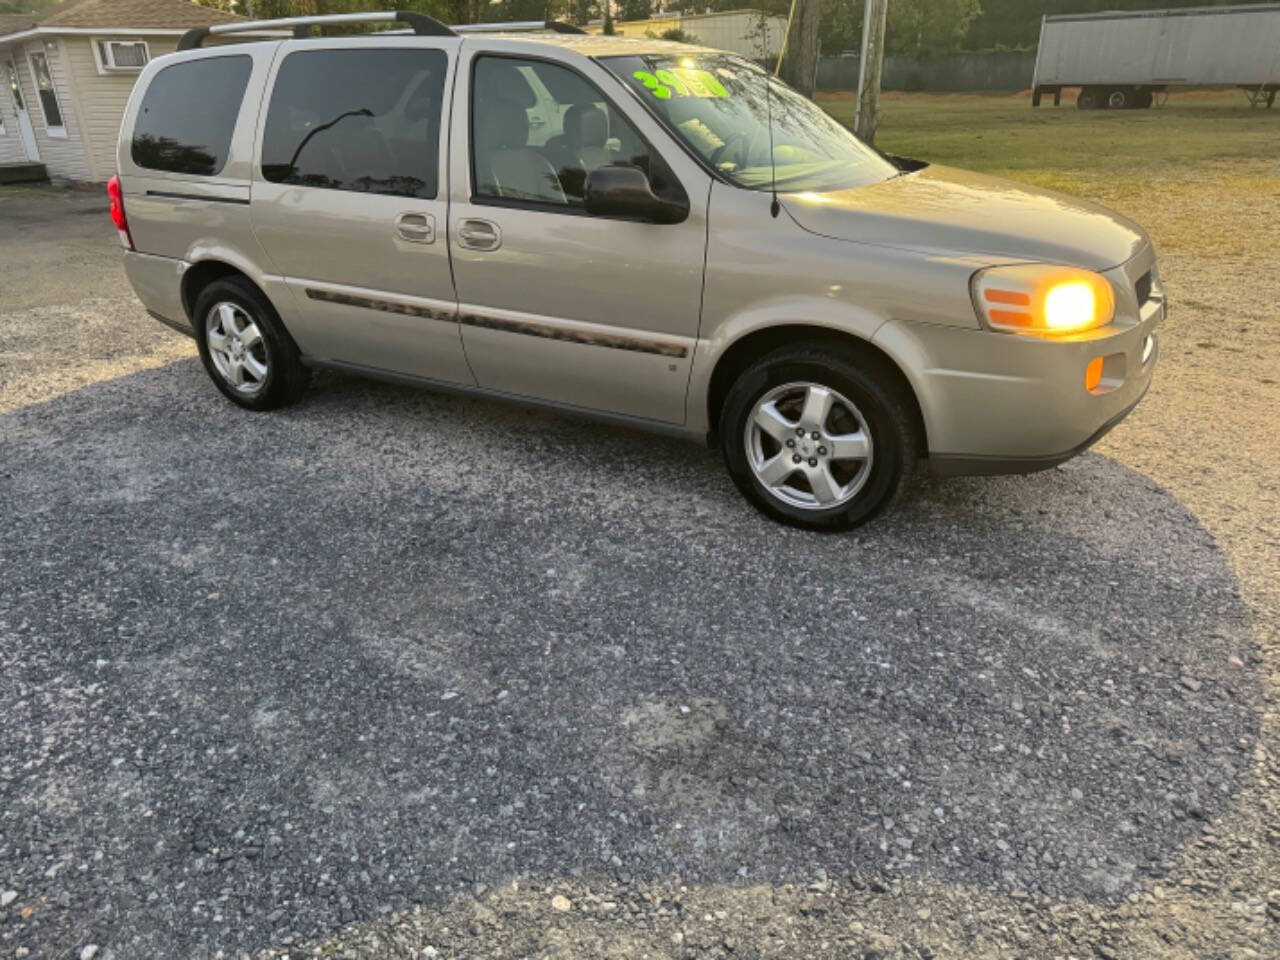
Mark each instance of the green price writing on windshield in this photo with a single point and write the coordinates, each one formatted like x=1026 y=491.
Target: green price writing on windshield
x=652 y=84
x=681 y=82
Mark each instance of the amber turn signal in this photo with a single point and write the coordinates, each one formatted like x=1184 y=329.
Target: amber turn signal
x=1093 y=374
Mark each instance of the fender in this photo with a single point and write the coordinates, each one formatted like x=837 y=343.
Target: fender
x=210 y=250
x=816 y=313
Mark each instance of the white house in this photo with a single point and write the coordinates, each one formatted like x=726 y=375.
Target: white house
x=749 y=33
x=67 y=74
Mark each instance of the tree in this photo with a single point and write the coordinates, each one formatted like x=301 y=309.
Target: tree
x=841 y=26
x=634 y=9
x=582 y=12
x=678 y=35
x=799 y=65
x=929 y=28
x=1016 y=23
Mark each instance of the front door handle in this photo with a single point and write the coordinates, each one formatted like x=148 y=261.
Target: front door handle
x=477 y=234
x=416 y=227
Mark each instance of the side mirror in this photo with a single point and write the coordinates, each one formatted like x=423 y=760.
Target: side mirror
x=624 y=192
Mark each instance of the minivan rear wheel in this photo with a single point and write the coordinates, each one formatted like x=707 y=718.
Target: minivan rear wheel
x=818 y=437
x=244 y=346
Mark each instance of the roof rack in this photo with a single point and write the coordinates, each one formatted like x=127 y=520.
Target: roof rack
x=518 y=26
x=421 y=24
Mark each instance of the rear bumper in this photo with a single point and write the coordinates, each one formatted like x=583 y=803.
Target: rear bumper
x=158 y=283
x=180 y=325
x=997 y=403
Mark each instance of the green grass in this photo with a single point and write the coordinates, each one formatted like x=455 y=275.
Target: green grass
x=1066 y=147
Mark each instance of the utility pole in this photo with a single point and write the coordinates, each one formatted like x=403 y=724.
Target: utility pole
x=866 y=116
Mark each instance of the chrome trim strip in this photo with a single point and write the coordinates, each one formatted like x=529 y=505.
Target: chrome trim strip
x=526 y=328
x=613 y=341
x=386 y=306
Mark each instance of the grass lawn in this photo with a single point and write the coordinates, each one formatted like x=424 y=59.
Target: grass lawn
x=1195 y=172
x=1002 y=134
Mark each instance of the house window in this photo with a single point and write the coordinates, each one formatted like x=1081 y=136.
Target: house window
x=120 y=56
x=48 y=97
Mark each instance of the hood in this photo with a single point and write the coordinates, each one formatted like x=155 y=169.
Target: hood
x=941 y=208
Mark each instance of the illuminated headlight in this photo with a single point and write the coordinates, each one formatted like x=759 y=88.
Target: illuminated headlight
x=1042 y=299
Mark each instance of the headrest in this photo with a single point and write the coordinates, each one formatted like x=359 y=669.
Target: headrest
x=501 y=125
x=500 y=78
x=586 y=125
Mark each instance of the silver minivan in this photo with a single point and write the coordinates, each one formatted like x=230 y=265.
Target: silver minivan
x=655 y=233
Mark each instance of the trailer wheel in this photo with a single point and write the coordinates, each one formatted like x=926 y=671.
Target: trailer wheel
x=1143 y=100
x=1089 y=98
x=1120 y=98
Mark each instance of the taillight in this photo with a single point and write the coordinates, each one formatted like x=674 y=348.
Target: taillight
x=117 y=212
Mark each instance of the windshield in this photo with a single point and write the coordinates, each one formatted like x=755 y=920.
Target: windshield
x=716 y=104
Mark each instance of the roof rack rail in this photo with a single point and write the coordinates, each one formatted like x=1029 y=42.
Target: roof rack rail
x=518 y=26
x=423 y=26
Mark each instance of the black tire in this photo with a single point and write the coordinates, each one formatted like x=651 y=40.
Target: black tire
x=889 y=417
x=286 y=378
x=1119 y=98
x=1089 y=98
x=1143 y=100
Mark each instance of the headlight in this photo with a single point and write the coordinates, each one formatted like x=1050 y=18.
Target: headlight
x=1042 y=299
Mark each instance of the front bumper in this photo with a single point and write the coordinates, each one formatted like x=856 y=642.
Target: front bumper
x=1002 y=403
x=962 y=465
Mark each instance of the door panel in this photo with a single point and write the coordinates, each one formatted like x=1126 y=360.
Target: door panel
x=346 y=203
x=556 y=304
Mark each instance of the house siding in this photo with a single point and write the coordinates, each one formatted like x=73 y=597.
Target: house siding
x=61 y=157
x=102 y=97
x=10 y=145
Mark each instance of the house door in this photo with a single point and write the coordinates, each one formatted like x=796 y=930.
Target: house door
x=25 y=133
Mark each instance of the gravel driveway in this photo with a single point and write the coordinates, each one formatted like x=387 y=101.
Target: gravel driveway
x=472 y=680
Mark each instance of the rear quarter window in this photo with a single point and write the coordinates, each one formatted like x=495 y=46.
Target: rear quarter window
x=188 y=115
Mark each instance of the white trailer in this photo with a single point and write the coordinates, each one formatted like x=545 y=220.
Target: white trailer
x=1122 y=59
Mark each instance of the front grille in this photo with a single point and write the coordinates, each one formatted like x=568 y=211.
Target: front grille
x=1143 y=288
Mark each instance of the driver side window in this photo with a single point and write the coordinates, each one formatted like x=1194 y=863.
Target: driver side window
x=538 y=130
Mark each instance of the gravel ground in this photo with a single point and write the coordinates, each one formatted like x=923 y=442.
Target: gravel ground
x=399 y=674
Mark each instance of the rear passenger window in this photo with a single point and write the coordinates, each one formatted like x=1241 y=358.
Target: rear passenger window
x=360 y=120
x=188 y=115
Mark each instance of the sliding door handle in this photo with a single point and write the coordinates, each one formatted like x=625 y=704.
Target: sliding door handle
x=477 y=234
x=416 y=227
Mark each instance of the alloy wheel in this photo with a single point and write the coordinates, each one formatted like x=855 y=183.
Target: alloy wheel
x=237 y=348
x=808 y=445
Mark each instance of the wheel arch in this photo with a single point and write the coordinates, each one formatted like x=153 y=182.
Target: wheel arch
x=205 y=269
x=749 y=347
x=200 y=274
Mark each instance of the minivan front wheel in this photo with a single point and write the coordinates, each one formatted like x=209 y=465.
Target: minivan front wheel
x=244 y=347
x=817 y=437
